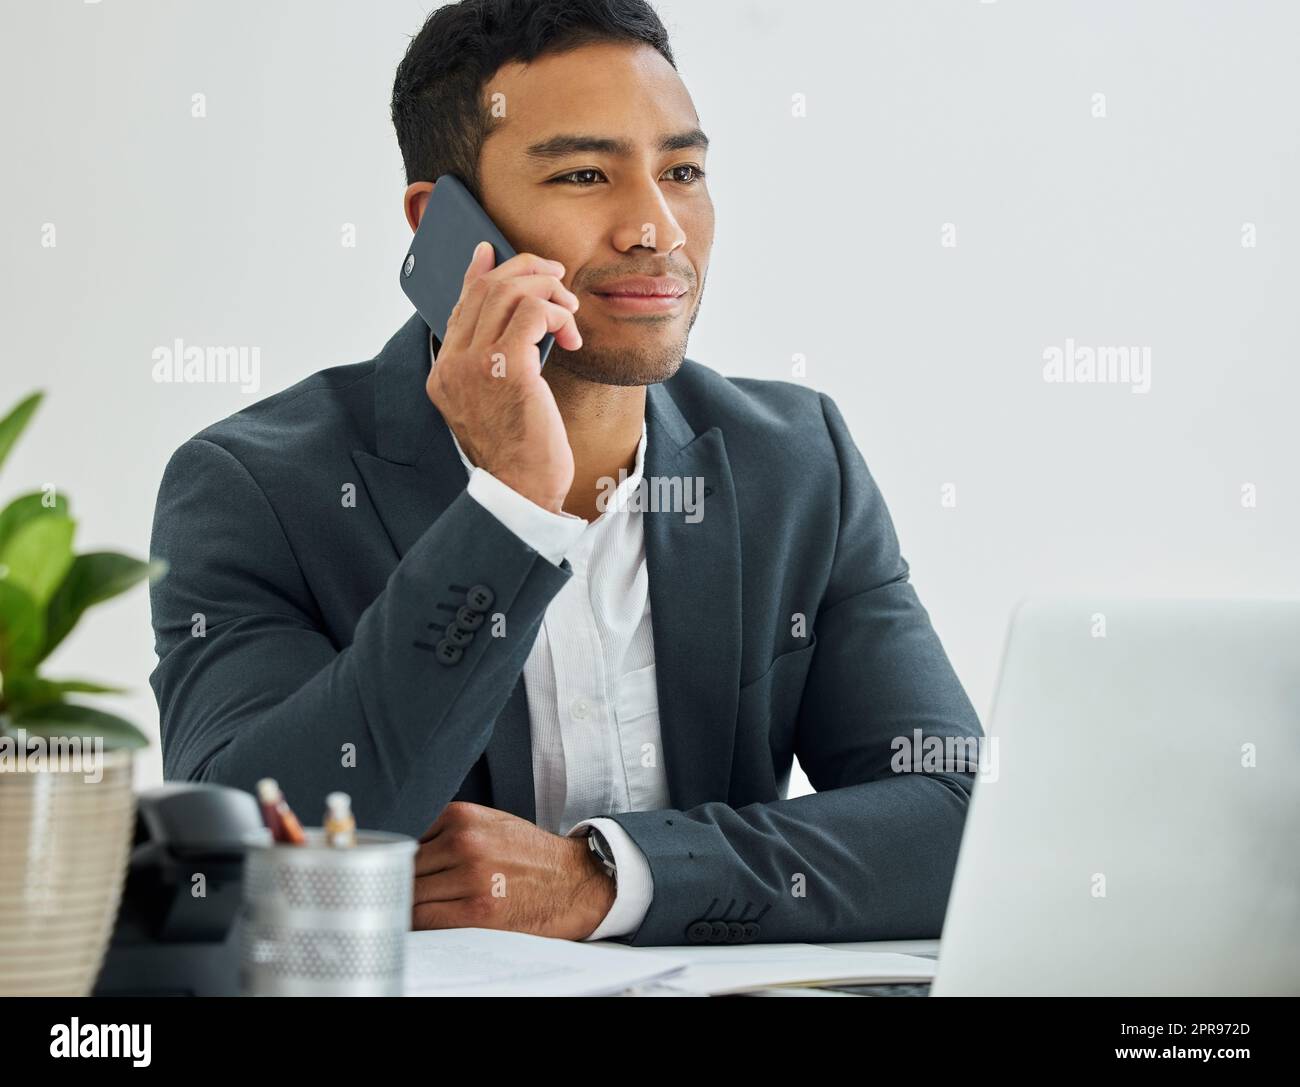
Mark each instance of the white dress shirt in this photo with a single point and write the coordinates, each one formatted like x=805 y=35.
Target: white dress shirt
x=590 y=678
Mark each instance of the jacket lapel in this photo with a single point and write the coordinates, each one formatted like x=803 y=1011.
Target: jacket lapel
x=694 y=574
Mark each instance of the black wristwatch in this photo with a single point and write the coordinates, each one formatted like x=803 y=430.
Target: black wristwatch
x=599 y=845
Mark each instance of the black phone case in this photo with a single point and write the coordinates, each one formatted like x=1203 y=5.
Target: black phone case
x=434 y=268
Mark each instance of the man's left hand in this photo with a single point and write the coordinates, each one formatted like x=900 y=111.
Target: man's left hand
x=478 y=867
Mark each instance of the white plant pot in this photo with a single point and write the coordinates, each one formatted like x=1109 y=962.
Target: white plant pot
x=64 y=847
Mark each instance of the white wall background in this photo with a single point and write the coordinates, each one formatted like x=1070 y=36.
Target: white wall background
x=1123 y=230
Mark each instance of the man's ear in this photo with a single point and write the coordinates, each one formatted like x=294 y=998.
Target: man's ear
x=417 y=196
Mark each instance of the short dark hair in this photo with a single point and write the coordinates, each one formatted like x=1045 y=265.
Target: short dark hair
x=438 y=108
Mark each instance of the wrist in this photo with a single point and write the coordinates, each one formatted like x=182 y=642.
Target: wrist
x=594 y=889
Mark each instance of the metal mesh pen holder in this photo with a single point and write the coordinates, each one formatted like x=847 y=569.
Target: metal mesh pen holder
x=323 y=921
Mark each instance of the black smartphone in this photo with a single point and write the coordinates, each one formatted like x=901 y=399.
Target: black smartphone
x=434 y=268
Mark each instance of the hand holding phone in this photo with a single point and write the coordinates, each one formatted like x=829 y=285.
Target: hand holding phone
x=452 y=226
x=487 y=382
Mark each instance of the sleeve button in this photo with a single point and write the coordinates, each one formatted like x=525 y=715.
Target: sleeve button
x=698 y=932
x=468 y=619
x=480 y=598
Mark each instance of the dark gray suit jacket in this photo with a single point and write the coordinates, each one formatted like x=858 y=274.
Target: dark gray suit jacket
x=322 y=621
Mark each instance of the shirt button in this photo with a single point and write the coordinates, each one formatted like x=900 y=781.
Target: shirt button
x=580 y=708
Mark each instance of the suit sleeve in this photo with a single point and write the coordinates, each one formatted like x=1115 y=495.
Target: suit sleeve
x=250 y=685
x=871 y=854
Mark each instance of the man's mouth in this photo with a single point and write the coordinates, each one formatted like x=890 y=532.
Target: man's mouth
x=643 y=294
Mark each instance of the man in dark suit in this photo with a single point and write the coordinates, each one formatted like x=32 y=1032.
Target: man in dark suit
x=569 y=625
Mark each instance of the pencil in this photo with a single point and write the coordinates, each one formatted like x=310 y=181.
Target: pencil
x=277 y=815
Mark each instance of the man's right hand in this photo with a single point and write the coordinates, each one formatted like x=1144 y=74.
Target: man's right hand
x=487 y=379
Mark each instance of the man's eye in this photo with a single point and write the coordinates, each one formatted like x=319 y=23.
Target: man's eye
x=564 y=178
x=686 y=174
x=695 y=173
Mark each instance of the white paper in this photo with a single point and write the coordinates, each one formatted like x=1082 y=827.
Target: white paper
x=489 y=962
x=735 y=968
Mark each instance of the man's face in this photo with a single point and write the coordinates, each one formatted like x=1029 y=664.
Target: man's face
x=598 y=164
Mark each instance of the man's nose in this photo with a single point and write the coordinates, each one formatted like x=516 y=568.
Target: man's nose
x=647 y=221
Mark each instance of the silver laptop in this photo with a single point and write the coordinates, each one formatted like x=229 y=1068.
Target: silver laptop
x=1135 y=829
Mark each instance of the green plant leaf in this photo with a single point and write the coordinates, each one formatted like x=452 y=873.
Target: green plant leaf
x=23 y=509
x=22 y=629
x=13 y=424
x=69 y=719
x=92 y=579
x=38 y=555
x=25 y=691
x=44 y=589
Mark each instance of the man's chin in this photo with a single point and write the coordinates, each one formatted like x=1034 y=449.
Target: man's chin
x=619 y=366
